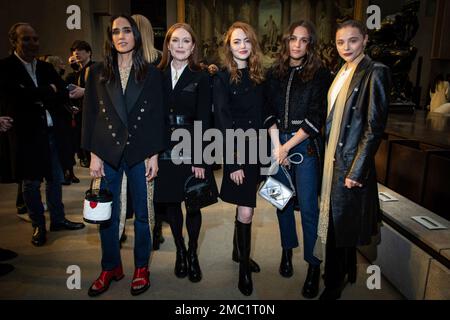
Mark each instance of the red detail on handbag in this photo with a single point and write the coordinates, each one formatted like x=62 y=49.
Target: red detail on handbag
x=93 y=204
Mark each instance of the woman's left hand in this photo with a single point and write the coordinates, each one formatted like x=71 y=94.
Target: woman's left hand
x=349 y=183
x=281 y=154
x=199 y=173
x=151 y=167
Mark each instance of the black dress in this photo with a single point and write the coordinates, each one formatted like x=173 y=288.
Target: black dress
x=239 y=106
x=189 y=101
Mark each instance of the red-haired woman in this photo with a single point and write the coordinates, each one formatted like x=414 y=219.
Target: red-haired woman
x=188 y=98
x=238 y=104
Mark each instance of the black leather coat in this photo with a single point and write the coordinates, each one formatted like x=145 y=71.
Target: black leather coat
x=356 y=211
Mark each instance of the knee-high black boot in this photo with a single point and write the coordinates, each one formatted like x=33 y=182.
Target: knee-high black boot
x=193 y=225
x=244 y=235
x=254 y=267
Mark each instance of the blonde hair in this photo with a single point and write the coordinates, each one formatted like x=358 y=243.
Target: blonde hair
x=56 y=61
x=148 y=38
x=256 y=71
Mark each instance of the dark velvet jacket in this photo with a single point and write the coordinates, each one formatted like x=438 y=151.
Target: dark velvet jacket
x=356 y=211
x=129 y=126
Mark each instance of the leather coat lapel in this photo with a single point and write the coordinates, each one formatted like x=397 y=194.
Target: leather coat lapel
x=114 y=90
x=356 y=80
x=358 y=75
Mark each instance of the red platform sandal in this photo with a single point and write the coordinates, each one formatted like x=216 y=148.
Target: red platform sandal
x=104 y=280
x=141 y=281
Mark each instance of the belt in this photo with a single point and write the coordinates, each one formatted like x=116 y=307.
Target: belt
x=180 y=120
x=167 y=155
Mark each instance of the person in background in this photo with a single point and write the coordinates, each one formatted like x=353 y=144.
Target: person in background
x=439 y=92
x=67 y=130
x=81 y=61
x=32 y=91
x=5 y=124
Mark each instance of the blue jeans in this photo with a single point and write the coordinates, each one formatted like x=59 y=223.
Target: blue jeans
x=305 y=179
x=109 y=233
x=53 y=192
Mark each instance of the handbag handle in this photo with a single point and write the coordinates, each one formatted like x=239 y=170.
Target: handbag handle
x=286 y=173
x=95 y=183
x=189 y=179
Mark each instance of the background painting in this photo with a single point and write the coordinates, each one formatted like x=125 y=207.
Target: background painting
x=211 y=18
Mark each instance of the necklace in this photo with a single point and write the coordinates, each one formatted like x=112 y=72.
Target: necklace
x=124 y=72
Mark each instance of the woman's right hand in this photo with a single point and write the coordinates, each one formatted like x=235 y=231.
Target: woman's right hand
x=96 y=168
x=237 y=177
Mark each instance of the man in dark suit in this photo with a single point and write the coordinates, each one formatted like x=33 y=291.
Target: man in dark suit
x=30 y=90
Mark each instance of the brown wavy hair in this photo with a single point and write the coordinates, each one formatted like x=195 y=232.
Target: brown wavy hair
x=256 y=71
x=167 y=58
x=311 y=62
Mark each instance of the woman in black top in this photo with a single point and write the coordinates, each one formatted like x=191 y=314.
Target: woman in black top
x=152 y=56
x=188 y=99
x=238 y=104
x=123 y=128
x=298 y=90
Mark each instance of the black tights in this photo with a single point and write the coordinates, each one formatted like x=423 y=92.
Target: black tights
x=174 y=216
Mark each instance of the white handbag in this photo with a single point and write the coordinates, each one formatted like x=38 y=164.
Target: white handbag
x=97 y=204
x=277 y=193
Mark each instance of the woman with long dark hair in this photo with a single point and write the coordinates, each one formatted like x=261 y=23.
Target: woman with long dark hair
x=239 y=101
x=152 y=56
x=297 y=89
x=188 y=100
x=358 y=102
x=123 y=128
